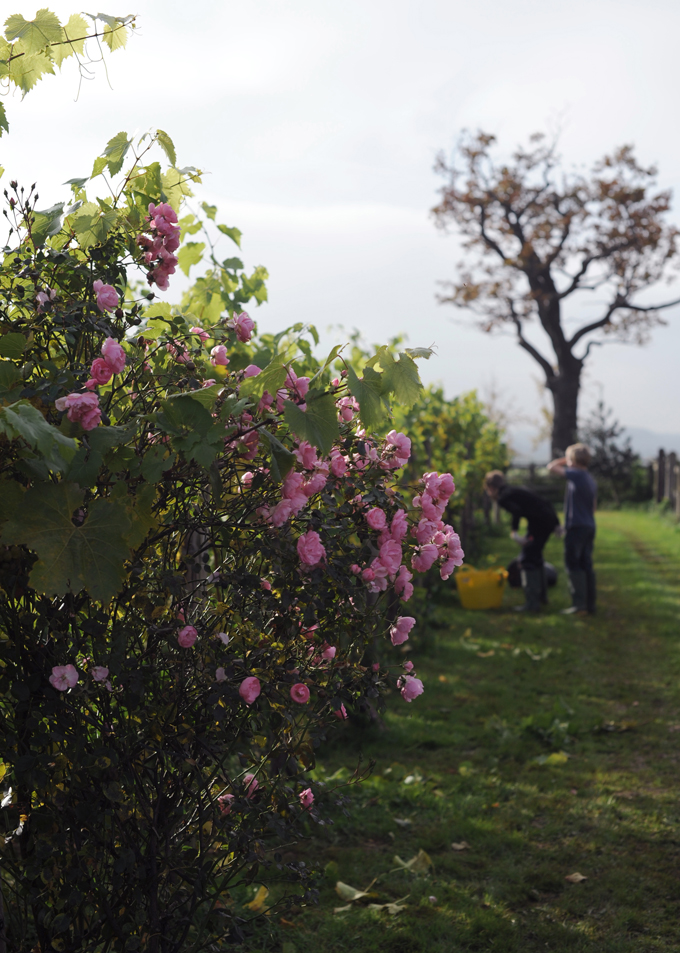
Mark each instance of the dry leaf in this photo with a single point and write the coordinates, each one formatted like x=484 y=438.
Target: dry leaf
x=402 y=822
x=575 y=878
x=257 y=903
x=342 y=909
x=392 y=908
x=419 y=864
x=487 y=654
x=345 y=892
x=461 y=845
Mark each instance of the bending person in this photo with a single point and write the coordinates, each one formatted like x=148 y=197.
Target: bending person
x=542 y=520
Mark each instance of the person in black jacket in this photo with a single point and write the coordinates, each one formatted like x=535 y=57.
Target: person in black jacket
x=542 y=520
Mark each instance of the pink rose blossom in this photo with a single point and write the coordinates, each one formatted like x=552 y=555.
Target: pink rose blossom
x=376 y=519
x=252 y=370
x=403 y=585
x=425 y=531
x=355 y=569
x=338 y=464
x=203 y=335
x=299 y=385
x=341 y=713
x=315 y=484
x=224 y=802
x=411 y=687
x=243 y=324
x=249 y=689
x=306 y=455
x=251 y=784
x=64 y=677
x=187 y=636
x=266 y=585
x=114 y=355
x=306 y=797
x=82 y=408
x=401 y=628
x=376 y=666
x=402 y=448
x=368 y=575
x=101 y=371
x=408 y=666
x=310 y=550
x=281 y=513
x=446 y=486
x=224 y=638
x=399 y=526
x=329 y=652
x=299 y=693
x=426 y=558
x=107 y=296
x=100 y=673
x=220 y=674
x=218 y=356
x=390 y=555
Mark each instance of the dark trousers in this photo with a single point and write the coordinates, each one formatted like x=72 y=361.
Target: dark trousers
x=531 y=556
x=578 y=556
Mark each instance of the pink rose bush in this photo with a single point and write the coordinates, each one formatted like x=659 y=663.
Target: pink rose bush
x=81 y=409
x=160 y=244
x=64 y=677
x=107 y=296
x=187 y=636
x=249 y=689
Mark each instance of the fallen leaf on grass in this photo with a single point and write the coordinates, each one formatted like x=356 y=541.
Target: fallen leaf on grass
x=575 y=878
x=556 y=758
x=392 y=908
x=460 y=845
x=402 y=821
x=345 y=892
x=419 y=864
x=257 y=903
x=487 y=654
x=443 y=678
x=342 y=909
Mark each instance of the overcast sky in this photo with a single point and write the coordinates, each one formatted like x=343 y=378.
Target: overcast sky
x=319 y=122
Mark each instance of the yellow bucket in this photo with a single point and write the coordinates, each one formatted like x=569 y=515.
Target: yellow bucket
x=481 y=588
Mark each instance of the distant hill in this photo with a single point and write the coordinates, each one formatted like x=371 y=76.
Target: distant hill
x=645 y=442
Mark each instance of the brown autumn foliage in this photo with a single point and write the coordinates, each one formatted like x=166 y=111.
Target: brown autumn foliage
x=539 y=238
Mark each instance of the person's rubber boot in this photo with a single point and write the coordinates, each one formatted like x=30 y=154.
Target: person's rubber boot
x=578 y=585
x=532 y=584
x=591 y=599
x=544 y=588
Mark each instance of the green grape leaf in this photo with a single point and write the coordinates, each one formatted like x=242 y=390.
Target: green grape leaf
x=281 y=460
x=181 y=415
x=318 y=424
x=46 y=224
x=73 y=38
x=11 y=496
x=4 y=125
x=12 y=345
x=103 y=438
x=156 y=461
x=90 y=556
x=21 y=419
x=167 y=145
x=368 y=392
x=115 y=152
x=91 y=225
x=233 y=233
x=26 y=70
x=34 y=34
x=401 y=378
x=205 y=395
x=10 y=377
x=84 y=467
x=209 y=210
x=79 y=183
x=139 y=511
x=174 y=187
x=189 y=225
x=270 y=379
x=419 y=352
x=329 y=360
x=190 y=254
x=115 y=33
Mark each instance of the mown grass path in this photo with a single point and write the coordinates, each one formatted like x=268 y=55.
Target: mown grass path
x=550 y=746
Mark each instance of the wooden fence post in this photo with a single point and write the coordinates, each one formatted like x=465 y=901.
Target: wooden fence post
x=676 y=482
x=669 y=483
x=659 y=476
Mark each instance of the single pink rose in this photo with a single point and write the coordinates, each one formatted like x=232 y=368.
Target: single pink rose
x=310 y=550
x=341 y=713
x=82 y=409
x=368 y=575
x=408 y=666
x=329 y=652
x=376 y=666
x=376 y=519
x=306 y=797
x=355 y=569
x=426 y=558
x=203 y=335
x=338 y=464
x=114 y=355
x=390 y=555
x=249 y=689
x=300 y=693
x=411 y=687
x=218 y=356
x=101 y=371
x=100 y=673
x=401 y=628
x=243 y=324
x=315 y=484
x=224 y=802
x=266 y=585
x=251 y=785
x=107 y=296
x=187 y=636
x=64 y=677
x=403 y=585
x=446 y=486
x=252 y=370
x=306 y=455
x=399 y=526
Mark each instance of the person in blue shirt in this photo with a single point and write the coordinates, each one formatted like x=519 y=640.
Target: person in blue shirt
x=579 y=521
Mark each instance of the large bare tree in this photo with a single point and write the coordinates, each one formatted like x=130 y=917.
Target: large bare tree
x=540 y=238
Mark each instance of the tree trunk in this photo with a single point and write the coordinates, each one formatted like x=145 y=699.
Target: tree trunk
x=565 y=387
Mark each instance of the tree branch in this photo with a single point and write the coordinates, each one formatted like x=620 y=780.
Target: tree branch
x=529 y=348
x=616 y=305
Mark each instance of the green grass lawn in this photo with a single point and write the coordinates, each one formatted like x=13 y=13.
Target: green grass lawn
x=547 y=744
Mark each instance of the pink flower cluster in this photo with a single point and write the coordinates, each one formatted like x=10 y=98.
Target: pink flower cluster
x=436 y=539
x=64 y=677
x=82 y=409
x=387 y=566
x=107 y=296
x=243 y=324
x=161 y=245
x=298 y=487
x=295 y=388
x=111 y=362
